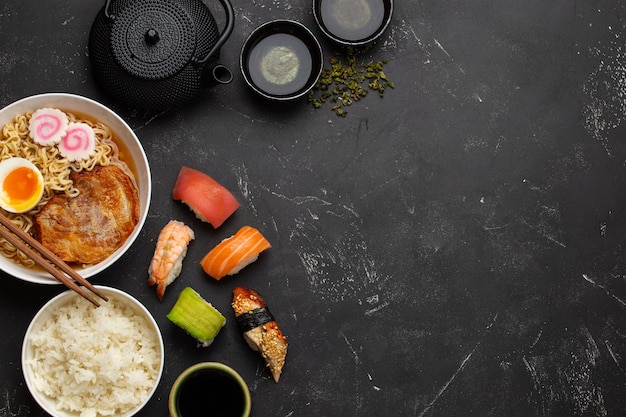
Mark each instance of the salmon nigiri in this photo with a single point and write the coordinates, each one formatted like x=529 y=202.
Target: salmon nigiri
x=208 y=199
x=234 y=253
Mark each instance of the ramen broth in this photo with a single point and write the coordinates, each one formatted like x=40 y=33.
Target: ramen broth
x=123 y=152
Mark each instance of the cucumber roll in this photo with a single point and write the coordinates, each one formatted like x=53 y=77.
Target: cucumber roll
x=196 y=316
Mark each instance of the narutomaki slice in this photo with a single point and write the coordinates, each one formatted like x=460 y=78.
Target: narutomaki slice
x=47 y=126
x=234 y=253
x=78 y=143
x=208 y=199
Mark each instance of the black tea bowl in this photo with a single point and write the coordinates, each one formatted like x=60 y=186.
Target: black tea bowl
x=353 y=22
x=281 y=60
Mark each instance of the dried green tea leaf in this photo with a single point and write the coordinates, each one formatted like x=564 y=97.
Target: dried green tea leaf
x=345 y=82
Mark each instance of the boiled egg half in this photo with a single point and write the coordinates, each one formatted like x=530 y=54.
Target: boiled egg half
x=21 y=185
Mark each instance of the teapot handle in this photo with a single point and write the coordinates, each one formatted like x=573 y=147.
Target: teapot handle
x=228 y=29
x=107 y=4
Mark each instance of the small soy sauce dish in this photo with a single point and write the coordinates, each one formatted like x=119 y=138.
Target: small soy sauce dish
x=209 y=388
x=281 y=60
x=353 y=22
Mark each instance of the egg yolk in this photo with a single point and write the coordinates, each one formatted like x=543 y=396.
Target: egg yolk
x=20 y=185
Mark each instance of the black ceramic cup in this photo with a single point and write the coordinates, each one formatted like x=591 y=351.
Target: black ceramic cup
x=281 y=60
x=353 y=22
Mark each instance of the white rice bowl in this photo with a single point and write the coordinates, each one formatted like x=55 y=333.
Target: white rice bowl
x=79 y=360
x=135 y=152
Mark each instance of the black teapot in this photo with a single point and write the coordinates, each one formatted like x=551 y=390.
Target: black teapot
x=158 y=54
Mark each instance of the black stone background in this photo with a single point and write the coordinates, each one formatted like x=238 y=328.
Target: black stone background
x=455 y=248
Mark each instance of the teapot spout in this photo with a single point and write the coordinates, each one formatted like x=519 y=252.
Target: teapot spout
x=216 y=74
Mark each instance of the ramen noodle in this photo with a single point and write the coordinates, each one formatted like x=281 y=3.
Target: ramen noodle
x=56 y=169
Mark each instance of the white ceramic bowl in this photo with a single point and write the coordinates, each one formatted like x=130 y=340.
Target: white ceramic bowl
x=95 y=111
x=45 y=314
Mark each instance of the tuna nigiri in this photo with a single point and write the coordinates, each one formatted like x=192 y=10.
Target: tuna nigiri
x=259 y=328
x=234 y=253
x=171 y=249
x=208 y=199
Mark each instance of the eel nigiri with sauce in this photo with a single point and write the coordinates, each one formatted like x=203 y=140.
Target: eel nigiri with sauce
x=209 y=200
x=234 y=253
x=259 y=328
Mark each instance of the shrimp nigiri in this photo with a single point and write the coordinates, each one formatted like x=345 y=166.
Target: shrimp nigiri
x=259 y=328
x=234 y=253
x=171 y=249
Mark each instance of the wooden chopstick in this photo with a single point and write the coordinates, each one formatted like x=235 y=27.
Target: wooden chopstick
x=47 y=260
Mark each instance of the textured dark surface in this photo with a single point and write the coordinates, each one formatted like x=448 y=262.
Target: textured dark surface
x=456 y=248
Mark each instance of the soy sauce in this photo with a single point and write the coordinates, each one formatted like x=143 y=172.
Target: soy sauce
x=210 y=393
x=280 y=64
x=352 y=20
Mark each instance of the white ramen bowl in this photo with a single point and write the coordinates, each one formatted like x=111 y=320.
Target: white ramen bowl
x=98 y=112
x=45 y=314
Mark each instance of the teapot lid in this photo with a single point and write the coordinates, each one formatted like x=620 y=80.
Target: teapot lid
x=153 y=39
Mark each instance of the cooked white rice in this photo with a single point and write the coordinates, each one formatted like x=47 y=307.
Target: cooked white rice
x=95 y=361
